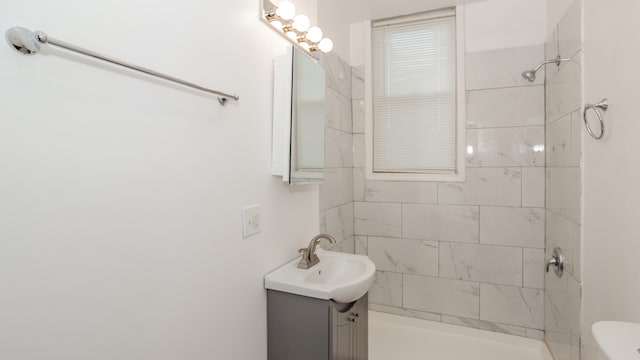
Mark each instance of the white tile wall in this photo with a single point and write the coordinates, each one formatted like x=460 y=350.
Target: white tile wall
x=564 y=292
x=338 y=148
x=443 y=296
x=440 y=222
x=361 y=245
x=502 y=68
x=336 y=193
x=533 y=187
x=357 y=106
x=557 y=332
x=558 y=135
x=405 y=192
x=406 y=312
x=435 y=244
x=512 y=305
x=418 y=257
x=485 y=263
x=484 y=186
x=346 y=246
x=563 y=186
x=357 y=84
x=570 y=31
x=564 y=191
x=359 y=184
x=338 y=74
x=564 y=90
x=339 y=222
x=337 y=188
x=513 y=226
x=564 y=140
x=378 y=219
x=386 y=289
x=338 y=111
x=533 y=263
x=535 y=334
x=505 y=107
x=358 y=150
x=484 y=325
x=513 y=146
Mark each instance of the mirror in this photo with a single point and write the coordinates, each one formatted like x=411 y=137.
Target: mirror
x=298 y=118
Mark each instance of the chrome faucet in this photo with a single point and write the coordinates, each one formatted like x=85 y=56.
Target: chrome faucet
x=309 y=256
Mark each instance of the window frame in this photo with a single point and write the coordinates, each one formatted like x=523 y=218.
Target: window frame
x=459 y=174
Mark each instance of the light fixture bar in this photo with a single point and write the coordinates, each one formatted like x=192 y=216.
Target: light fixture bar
x=296 y=28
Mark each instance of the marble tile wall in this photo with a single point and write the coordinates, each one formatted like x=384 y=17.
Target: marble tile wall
x=336 y=193
x=563 y=185
x=468 y=253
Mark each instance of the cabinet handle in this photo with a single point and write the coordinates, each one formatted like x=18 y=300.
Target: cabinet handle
x=356 y=315
x=351 y=319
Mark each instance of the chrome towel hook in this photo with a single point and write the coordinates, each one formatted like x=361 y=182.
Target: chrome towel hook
x=602 y=105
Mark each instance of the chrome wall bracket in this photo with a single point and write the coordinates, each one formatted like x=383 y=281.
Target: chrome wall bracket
x=28 y=43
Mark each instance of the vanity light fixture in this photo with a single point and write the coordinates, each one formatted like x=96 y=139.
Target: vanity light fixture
x=296 y=28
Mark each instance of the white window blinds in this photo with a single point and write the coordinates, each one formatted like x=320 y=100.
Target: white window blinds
x=414 y=77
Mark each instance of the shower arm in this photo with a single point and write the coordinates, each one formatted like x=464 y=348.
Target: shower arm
x=558 y=60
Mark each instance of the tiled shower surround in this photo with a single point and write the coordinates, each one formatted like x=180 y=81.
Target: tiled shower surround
x=469 y=253
x=563 y=181
x=336 y=193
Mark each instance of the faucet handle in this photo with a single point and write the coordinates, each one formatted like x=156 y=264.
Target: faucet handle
x=302 y=250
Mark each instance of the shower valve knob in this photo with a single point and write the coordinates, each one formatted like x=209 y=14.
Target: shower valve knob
x=557 y=261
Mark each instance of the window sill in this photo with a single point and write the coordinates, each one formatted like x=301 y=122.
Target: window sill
x=459 y=177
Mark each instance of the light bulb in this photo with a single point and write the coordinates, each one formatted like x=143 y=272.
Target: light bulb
x=292 y=35
x=325 y=45
x=301 y=23
x=314 y=34
x=286 y=10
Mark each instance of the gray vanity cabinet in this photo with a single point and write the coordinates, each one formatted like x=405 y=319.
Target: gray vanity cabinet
x=301 y=327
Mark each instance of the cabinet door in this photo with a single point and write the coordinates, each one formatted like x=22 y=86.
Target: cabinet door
x=361 y=329
x=350 y=330
x=342 y=332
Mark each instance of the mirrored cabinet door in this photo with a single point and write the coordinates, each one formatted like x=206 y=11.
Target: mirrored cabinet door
x=298 y=118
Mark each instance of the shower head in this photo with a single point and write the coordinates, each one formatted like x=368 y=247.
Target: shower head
x=529 y=75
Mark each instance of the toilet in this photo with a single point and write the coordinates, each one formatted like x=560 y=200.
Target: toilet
x=617 y=340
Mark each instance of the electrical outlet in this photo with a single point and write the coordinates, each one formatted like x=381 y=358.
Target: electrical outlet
x=250 y=220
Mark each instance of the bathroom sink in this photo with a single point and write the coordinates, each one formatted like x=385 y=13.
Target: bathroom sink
x=340 y=277
x=617 y=340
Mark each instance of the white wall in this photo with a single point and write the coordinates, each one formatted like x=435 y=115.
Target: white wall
x=489 y=24
x=612 y=167
x=499 y=24
x=120 y=231
x=555 y=10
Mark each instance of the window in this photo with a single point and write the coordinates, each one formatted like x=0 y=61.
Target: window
x=416 y=131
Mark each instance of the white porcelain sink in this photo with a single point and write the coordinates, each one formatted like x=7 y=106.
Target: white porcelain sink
x=617 y=340
x=338 y=276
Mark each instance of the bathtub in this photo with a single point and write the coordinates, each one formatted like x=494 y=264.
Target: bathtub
x=393 y=337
